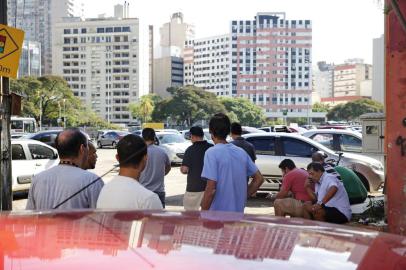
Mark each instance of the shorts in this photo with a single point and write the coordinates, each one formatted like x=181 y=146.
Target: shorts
x=333 y=215
x=289 y=206
x=192 y=200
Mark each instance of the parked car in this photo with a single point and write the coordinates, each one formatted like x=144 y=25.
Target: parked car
x=174 y=145
x=30 y=157
x=168 y=130
x=337 y=139
x=272 y=148
x=85 y=239
x=111 y=138
x=48 y=137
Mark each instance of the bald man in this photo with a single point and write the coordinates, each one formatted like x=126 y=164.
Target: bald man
x=52 y=187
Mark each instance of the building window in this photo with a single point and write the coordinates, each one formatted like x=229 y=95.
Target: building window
x=66 y=31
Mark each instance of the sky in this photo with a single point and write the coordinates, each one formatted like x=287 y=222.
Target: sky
x=342 y=29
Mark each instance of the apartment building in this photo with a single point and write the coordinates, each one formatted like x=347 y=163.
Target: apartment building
x=99 y=58
x=169 y=73
x=323 y=79
x=207 y=64
x=271 y=63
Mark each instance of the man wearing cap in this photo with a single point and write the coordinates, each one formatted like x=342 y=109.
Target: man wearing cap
x=192 y=165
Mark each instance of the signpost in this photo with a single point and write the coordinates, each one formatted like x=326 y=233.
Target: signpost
x=11 y=40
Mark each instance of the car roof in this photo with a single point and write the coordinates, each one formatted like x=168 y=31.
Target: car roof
x=334 y=131
x=25 y=140
x=290 y=135
x=206 y=240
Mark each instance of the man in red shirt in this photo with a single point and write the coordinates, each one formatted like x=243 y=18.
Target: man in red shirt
x=292 y=196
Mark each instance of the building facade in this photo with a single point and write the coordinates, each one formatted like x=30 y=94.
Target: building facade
x=169 y=73
x=99 y=58
x=175 y=33
x=271 y=63
x=323 y=79
x=378 y=77
x=37 y=18
x=207 y=64
x=30 y=60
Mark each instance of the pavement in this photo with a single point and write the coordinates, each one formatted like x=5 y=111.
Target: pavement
x=175 y=185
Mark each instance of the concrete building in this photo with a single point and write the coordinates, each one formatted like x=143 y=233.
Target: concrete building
x=323 y=79
x=151 y=58
x=378 y=77
x=99 y=58
x=207 y=64
x=175 y=33
x=271 y=63
x=37 y=18
x=30 y=60
x=168 y=72
x=348 y=78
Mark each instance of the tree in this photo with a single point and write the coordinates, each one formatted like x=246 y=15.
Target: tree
x=320 y=107
x=352 y=110
x=187 y=105
x=49 y=98
x=143 y=108
x=248 y=113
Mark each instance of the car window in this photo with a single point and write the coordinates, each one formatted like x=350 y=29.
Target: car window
x=17 y=152
x=40 y=152
x=325 y=139
x=263 y=145
x=350 y=143
x=297 y=148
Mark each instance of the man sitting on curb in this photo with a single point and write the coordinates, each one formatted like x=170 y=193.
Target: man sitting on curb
x=332 y=200
x=293 y=183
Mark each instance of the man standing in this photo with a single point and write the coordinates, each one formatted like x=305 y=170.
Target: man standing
x=53 y=186
x=158 y=165
x=226 y=168
x=236 y=132
x=192 y=165
x=332 y=200
x=92 y=158
x=124 y=191
x=293 y=183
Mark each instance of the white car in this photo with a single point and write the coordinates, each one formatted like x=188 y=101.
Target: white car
x=272 y=148
x=337 y=139
x=174 y=145
x=30 y=157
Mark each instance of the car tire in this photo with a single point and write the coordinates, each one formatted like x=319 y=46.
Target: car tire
x=114 y=144
x=99 y=145
x=363 y=180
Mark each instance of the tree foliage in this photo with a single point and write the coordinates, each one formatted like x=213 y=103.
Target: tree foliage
x=352 y=110
x=143 y=108
x=49 y=97
x=187 y=105
x=248 y=114
x=320 y=107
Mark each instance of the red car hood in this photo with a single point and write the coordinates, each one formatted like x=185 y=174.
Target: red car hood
x=189 y=240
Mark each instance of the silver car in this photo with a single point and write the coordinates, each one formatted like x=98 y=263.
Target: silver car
x=337 y=139
x=272 y=148
x=174 y=145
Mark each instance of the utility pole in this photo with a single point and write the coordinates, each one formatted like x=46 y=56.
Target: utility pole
x=5 y=150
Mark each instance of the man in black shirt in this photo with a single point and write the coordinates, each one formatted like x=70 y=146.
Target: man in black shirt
x=192 y=165
x=236 y=132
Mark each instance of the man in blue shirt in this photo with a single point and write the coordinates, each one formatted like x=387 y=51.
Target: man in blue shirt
x=226 y=168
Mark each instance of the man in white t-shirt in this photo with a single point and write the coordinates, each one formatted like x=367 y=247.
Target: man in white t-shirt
x=124 y=191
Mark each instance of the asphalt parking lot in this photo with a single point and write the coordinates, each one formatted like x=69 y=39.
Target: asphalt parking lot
x=175 y=184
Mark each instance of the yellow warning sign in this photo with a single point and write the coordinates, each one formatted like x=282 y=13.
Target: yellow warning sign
x=11 y=42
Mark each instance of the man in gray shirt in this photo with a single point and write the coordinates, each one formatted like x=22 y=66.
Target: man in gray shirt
x=51 y=187
x=238 y=140
x=158 y=165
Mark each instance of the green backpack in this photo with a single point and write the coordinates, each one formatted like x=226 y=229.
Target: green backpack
x=356 y=190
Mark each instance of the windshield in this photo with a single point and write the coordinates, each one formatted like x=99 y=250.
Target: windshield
x=171 y=138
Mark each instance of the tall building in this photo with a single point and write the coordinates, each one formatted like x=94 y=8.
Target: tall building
x=99 y=58
x=175 y=33
x=323 y=79
x=30 y=60
x=168 y=72
x=378 y=77
x=151 y=58
x=207 y=64
x=37 y=18
x=271 y=63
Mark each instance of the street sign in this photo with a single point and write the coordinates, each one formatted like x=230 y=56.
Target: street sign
x=11 y=42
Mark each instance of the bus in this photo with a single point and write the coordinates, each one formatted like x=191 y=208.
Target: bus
x=22 y=125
